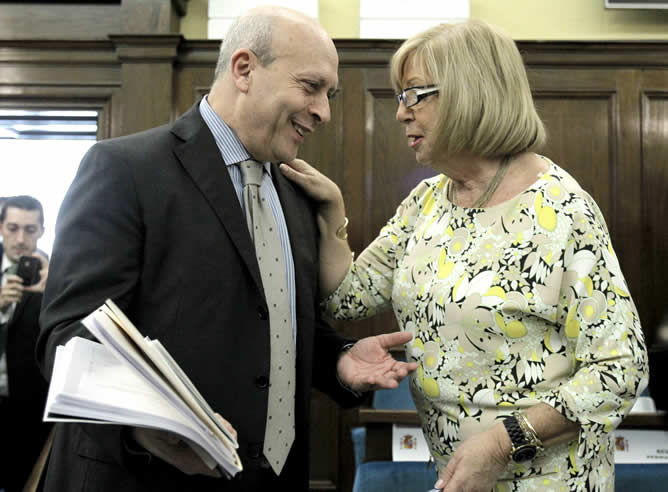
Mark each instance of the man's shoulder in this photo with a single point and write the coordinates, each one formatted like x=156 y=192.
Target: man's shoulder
x=154 y=138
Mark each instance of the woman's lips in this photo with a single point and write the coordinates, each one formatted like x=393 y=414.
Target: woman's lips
x=415 y=141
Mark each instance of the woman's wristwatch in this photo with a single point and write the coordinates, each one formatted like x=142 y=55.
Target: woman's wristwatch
x=525 y=444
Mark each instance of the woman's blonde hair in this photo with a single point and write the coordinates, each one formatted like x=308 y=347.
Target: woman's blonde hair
x=485 y=103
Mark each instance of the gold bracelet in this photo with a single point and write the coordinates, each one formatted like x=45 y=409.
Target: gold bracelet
x=342 y=232
x=528 y=428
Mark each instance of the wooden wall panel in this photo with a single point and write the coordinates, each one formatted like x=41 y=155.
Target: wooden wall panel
x=18 y=20
x=147 y=65
x=652 y=244
x=581 y=140
x=193 y=73
x=88 y=19
x=389 y=160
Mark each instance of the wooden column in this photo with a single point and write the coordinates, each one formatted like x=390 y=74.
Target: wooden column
x=147 y=66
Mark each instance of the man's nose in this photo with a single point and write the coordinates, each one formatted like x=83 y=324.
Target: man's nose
x=321 y=111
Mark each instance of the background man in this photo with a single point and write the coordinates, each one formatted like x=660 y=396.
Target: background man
x=159 y=222
x=22 y=387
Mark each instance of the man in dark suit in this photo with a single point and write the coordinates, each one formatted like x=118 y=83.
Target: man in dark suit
x=156 y=222
x=22 y=387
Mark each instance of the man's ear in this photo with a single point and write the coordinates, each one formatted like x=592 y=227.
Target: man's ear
x=242 y=63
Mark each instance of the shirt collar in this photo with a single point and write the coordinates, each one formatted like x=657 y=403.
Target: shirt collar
x=231 y=148
x=6 y=263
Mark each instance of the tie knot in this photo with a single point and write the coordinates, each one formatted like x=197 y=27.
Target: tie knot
x=251 y=172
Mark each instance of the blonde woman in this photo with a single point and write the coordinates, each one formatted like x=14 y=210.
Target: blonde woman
x=529 y=346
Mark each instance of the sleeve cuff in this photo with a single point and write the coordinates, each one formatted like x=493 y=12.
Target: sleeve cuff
x=344 y=349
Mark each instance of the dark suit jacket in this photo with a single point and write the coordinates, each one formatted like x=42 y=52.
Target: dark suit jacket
x=152 y=221
x=22 y=432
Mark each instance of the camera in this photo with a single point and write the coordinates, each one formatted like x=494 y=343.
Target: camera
x=28 y=269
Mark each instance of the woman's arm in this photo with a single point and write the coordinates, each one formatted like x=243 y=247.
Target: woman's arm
x=481 y=459
x=335 y=254
x=550 y=425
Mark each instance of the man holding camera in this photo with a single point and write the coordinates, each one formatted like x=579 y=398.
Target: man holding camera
x=22 y=387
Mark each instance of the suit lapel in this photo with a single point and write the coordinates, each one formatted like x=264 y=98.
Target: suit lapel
x=20 y=306
x=201 y=159
x=302 y=249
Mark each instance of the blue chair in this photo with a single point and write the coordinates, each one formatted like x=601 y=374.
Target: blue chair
x=381 y=476
x=637 y=478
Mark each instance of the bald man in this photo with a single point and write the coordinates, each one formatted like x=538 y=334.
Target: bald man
x=156 y=221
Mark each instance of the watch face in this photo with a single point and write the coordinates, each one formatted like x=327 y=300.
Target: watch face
x=525 y=453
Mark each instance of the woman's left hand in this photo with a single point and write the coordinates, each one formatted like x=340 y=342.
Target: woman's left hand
x=477 y=463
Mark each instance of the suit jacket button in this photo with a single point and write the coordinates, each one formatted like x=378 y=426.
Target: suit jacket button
x=262 y=313
x=254 y=451
x=262 y=382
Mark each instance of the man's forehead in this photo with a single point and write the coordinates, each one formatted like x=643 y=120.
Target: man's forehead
x=304 y=41
x=21 y=216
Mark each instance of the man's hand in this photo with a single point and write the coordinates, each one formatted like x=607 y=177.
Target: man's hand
x=43 y=275
x=11 y=292
x=369 y=365
x=477 y=463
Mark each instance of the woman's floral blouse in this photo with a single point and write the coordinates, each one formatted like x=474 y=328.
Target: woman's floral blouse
x=512 y=305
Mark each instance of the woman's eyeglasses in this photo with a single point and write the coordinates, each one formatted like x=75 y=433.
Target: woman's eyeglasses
x=413 y=95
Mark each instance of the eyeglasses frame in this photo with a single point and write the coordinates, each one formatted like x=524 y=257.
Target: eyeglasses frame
x=421 y=91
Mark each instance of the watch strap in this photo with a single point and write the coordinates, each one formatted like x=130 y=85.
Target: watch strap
x=524 y=442
x=514 y=431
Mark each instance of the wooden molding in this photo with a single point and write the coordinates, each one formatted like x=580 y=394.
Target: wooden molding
x=146 y=48
x=321 y=485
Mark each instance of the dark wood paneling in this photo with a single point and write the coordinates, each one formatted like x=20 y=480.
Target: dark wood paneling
x=389 y=161
x=581 y=140
x=89 y=20
x=147 y=79
x=193 y=73
x=653 y=242
x=150 y=16
x=325 y=447
x=25 y=21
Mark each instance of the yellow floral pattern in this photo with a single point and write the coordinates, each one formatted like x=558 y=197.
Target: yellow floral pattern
x=520 y=303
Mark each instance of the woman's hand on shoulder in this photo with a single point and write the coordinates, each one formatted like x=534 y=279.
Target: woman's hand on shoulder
x=313 y=182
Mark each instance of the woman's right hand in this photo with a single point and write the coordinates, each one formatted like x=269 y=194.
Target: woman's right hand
x=316 y=185
x=477 y=463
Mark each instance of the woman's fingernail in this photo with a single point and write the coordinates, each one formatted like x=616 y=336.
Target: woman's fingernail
x=440 y=484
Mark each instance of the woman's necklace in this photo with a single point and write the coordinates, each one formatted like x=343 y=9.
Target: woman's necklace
x=491 y=187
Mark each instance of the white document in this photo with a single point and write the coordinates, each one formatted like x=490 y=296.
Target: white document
x=131 y=380
x=641 y=446
x=408 y=444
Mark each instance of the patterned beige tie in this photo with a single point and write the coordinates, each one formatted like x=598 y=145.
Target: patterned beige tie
x=280 y=429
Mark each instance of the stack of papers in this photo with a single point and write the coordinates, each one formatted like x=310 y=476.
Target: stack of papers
x=131 y=380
